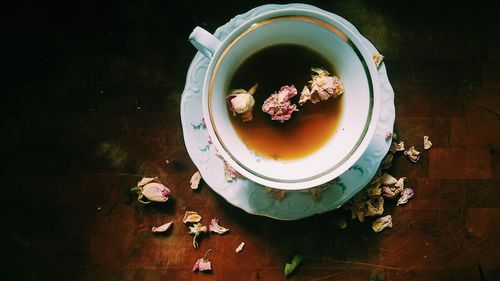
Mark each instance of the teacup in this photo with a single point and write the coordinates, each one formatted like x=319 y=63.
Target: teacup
x=327 y=36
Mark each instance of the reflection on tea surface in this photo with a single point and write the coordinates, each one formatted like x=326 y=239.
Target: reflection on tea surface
x=309 y=128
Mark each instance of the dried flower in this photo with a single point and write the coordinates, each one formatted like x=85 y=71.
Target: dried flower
x=388 y=179
x=203 y=264
x=375 y=207
x=230 y=173
x=152 y=189
x=196 y=230
x=391 y=192
x=388 y=135
x=191 y=217
x=291 y=266
x=277 y=194
x=413 y=154
x=215 y=227
x=395 y=147
x=427 y=143
x=162 y=228
x=382 y=223
x=240 y=247
x=400 y=183
x=279 y=106
x=321 y=87
x=387 y=161
x=195 y=180
x=241 y=102
x=316 y=192
x=406 y=195
x=377 y=59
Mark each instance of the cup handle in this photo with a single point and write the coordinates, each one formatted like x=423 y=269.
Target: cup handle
x=204 y=41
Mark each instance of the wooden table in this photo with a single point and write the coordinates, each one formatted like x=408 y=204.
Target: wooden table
x=90 y=104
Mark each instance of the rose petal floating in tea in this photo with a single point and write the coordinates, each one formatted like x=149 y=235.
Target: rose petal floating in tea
x=215 y=227
x=241 y=102
x=195 y=180
x=162 y=228
x=377 y=59
x=382 y=223
x=151 y=189
x=406 y=195
x=278 y=105
x=240 y=247
x=413 y=154
x=191 y=217
x=196 y=230
x=321 y=87
x=427 y=143
x=203 y=264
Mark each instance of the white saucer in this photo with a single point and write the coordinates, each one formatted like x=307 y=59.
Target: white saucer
x=254 y=198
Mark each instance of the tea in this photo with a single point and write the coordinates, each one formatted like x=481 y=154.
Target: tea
x=310 y=128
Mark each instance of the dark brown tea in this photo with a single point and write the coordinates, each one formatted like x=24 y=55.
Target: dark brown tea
x=309 y=128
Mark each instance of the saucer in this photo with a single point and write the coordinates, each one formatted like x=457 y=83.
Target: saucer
x=254 y=198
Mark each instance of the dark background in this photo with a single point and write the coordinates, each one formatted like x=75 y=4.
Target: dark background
x=90 y=98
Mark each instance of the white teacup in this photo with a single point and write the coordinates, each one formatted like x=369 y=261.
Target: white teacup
x=328 y=37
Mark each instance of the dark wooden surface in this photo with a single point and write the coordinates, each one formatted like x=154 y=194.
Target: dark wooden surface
x=90 y=103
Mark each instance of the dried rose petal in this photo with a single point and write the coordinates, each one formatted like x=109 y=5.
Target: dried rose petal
x=427 y=143
x=316 y=192
x=387 y=161
x=388 y=179
x=277 y=194
x=377 y=59
x=240 y=247
x=405 y=196
x=413 y=154
x=388 y=135
x=195 y=180
x=321 y=87
x=203 y=264
x=191 y=216
x=382 y=223
x=375 y=207
x=230 y=173
x=395 y=147
x=145 y=181
x=391 y=192
x=400 y=183
x=196 y=230
x=278 y=105
x=162 y=228
x=215 y=227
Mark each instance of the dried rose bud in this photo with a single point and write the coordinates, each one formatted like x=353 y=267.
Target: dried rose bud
x=152 y=189
x=377 y=59
x=406 y=195
x=162 y=228
x=195 y=180
x=215 y=227
x=203 y=264
x=321 y=87
x=382 y=223
x=242 y=102
x=427 y=143
x=191 y=217
x=413 y=154
x=197 y=229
